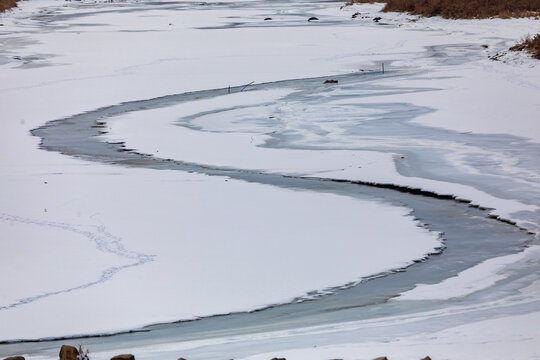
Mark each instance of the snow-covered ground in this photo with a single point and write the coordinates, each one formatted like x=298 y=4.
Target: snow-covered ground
x=91 y=248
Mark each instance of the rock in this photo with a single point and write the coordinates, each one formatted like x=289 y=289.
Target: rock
x=181 y=359
x=266 y=19
x=123 y=357
x=15 y=358
x=313 y=18
x=381 y=358
x=279 y=359
x=426 y=358
x=330 y=82
x=355 y=15
x=377 y=19
x=68 y=352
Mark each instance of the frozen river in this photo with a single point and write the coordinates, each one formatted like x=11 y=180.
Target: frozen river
x=186 y=165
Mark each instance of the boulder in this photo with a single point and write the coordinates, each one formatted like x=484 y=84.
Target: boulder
x=15 y=358
x=68 y=352
x=426 y=358
x=278 y=358
x=123 y=357
x=267 y=19
x=330 y=82
x=313 y=18
x=381 y=358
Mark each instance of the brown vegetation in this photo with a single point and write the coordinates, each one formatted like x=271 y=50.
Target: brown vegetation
x=7 y=4
x=462 y=9
x=530 y=44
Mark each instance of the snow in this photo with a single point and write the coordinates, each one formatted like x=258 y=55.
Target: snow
x=474 y=279
x=35 y=238
x=241 y=147
x=502 y=338
x=129 y=247
x=242 y=150
x=228 y=244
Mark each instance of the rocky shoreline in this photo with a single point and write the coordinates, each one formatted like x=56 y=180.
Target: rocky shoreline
x=68 y=352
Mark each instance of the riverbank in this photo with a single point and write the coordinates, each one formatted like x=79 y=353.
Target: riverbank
x=462 y=9
x=531 y=45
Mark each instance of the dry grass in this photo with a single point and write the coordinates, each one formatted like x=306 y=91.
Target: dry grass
x=463 y=9
x=530 y=44
x=83 y=353
x=7 y=4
